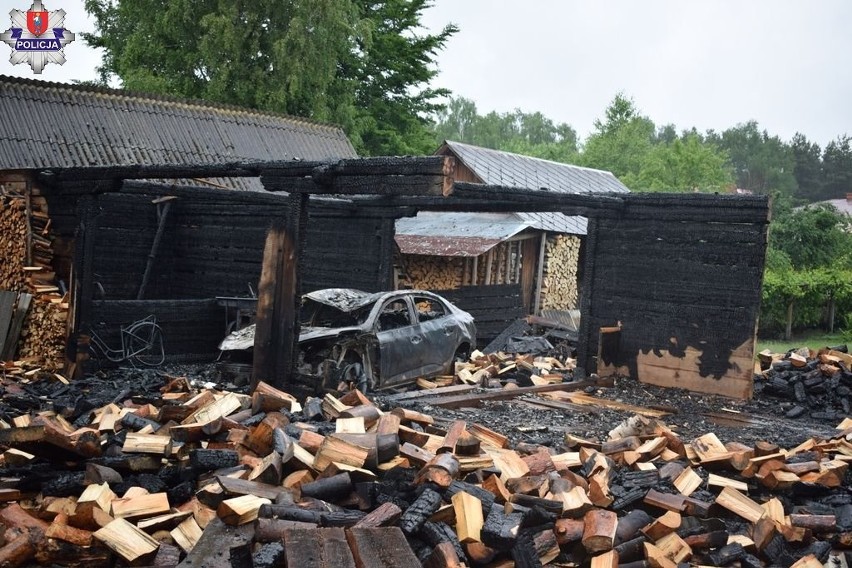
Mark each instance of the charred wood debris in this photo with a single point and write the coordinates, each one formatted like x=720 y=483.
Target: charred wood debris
x=158 y=470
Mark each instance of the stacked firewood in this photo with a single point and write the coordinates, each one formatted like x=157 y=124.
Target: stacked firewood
x=433 y=272
x=813 y=383
x=13 y=232
x=560 y=289
x=28 y=268
x=219 y=478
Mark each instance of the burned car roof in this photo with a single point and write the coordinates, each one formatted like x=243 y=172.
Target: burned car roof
x=344 y=299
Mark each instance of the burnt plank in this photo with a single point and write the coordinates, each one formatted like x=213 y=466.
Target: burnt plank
x=381 y=547
x=317 y=548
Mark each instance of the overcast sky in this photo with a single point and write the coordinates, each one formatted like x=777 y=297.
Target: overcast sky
x=703 y=63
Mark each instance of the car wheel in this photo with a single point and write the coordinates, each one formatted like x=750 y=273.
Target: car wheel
x=462 y=354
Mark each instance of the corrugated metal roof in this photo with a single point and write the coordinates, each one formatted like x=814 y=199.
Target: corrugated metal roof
x=445 y=246
x=555 y=222
x=471 y=234
x=495 y=167
x=455 y=234
x=45 y=124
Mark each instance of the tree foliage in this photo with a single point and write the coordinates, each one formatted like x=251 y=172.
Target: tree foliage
x=532 y=134
x=809 y=265
x=837 y=168
x=762 y=163
x=813 y=237
x=362 y=64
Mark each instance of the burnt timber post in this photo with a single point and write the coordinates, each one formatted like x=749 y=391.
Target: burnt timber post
x=585 y=362
x=277 y=327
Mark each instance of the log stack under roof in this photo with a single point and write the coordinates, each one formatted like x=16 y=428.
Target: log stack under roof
x=26 y=266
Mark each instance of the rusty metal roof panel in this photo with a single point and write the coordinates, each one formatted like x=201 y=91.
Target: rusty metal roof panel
x=452 y=224
x=455 y=234
x=445 y=246
x=45 y=124
x=495 y=167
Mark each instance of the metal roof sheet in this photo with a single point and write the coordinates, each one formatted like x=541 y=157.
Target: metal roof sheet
x=556 y=222
x=495 y=167
x=437 y=233
x=455 y=234
x=45 y=124
x=445 y=246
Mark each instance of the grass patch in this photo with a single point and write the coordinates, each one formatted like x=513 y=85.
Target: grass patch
x=814 y=339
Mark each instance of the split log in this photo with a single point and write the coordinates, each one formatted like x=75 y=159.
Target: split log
x=455 y=431
x=674 y=548
x=443 y=555
x=130 y=543
x=140 y=507
x=606 y=560
x=660 y=527
x=568 y=530
x=469 y=519
x=657 y=558
x=241 y=510
x=599 y=532
x=187 y=534
x=739 y=504
x=440 y=470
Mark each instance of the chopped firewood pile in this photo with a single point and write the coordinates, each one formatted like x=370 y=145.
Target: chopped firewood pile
x=33 y=309
x=193 y=475
x=817 y=383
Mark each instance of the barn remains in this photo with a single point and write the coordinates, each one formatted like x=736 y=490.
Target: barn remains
x=678 y=276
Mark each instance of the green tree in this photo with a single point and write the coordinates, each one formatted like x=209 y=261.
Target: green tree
x=812 y=237
x=807 y=168
x=685 y=164
x=392 y=78
x=837 y=168
x=622 y=142
x=531 y=134
x=357 y=63
x=762 y=163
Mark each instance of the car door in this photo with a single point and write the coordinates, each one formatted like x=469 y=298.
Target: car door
x=400 y=342
x=439 y=331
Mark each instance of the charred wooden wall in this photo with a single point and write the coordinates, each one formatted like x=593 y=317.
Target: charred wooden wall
x=683 y=275
x=212 y=245
x=493 y=307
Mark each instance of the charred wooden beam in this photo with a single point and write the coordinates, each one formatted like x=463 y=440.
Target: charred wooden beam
x=277 y=326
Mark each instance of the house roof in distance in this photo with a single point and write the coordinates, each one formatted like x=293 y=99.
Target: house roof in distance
x=440 y=233
x=495 y=167
x=44 y=124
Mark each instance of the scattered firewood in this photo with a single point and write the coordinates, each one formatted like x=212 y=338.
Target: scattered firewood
x=235 y=464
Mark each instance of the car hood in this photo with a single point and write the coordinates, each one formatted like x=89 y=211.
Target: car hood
x=344 y=299
x=244 y=338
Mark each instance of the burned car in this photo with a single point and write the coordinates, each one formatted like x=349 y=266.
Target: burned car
x=373 y=341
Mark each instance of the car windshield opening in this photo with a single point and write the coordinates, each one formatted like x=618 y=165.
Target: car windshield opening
x=315 y=314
